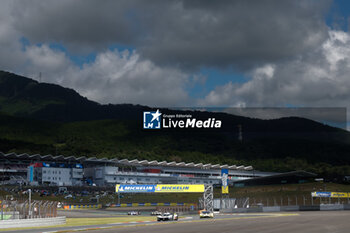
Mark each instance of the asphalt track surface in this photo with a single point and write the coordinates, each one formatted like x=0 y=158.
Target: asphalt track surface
x=290 y=222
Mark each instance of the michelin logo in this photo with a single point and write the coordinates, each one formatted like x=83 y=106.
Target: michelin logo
x=135 y=188
x=152 y=120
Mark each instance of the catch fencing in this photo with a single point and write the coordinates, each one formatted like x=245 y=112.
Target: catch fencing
x=291 y=200
x=16 y=209
x=295 y=200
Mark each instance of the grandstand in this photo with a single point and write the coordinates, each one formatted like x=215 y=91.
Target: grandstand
x=104 y=172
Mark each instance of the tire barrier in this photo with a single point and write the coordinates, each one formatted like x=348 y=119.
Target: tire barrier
x=34 y=222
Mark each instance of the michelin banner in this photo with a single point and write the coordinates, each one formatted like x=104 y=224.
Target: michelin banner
x=331 y=194
x=159 y=188
x=340 y=195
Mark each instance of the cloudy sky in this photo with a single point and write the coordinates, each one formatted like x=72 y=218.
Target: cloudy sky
x=263 y=53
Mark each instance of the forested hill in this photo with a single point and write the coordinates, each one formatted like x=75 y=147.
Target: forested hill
x=49 y=119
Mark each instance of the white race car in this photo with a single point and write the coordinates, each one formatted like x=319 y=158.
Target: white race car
x=168 y=217
x=134 y=213
x=156 y=213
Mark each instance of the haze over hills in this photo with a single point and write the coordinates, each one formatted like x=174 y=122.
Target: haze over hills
x=24 y=97
x=47 y=118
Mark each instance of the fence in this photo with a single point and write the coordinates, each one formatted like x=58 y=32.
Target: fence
x=286 y=201
x=295 y=200
x=10 y=210
x=178 y=209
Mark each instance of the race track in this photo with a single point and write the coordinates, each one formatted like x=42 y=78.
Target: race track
x=289 y=222
x=309 y=222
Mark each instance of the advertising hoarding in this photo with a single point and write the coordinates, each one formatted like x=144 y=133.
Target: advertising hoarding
x=159 y=188
x=224 y=181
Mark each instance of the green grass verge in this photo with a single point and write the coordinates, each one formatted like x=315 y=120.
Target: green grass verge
x=71 y=222
x=6 y=217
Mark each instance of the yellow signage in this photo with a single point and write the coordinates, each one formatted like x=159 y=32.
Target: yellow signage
x=224 y=190
x=179 y=188
x=331 y=194
x=224 y=181
x=159 y=188
x=340 y=195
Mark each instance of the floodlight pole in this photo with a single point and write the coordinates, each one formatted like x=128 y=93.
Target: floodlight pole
x=2 y=210
x=30 y=203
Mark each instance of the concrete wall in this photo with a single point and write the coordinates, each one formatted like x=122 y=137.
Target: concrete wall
x=36 y=222
x=272 y=209
x=326 y=207
x=332 y=207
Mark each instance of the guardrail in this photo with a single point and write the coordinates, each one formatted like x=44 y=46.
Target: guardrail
x=36 y=222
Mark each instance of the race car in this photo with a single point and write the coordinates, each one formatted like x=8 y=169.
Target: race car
x=156 y=213
x=168 y=217
x=206 y=214
x=134 y=213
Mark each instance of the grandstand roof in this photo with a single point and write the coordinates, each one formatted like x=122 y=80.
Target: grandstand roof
x=38 y=157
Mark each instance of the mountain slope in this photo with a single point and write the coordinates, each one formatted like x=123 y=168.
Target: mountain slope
x=24 y=97
x=47 y=118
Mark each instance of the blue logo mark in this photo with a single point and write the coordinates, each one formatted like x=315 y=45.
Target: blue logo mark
x=136 y=188
x=151 y=120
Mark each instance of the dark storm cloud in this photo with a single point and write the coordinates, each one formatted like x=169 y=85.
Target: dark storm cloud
x=187 y=34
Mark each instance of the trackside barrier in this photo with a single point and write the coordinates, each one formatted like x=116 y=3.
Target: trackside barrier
x=152 y=204
x=36 y=222
x=155 y=204
x=72 y=207
x=332 y=207
x=322 y=207
x=309 y=208
x=271 y=209
x=243 y=210
x=290 y=208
